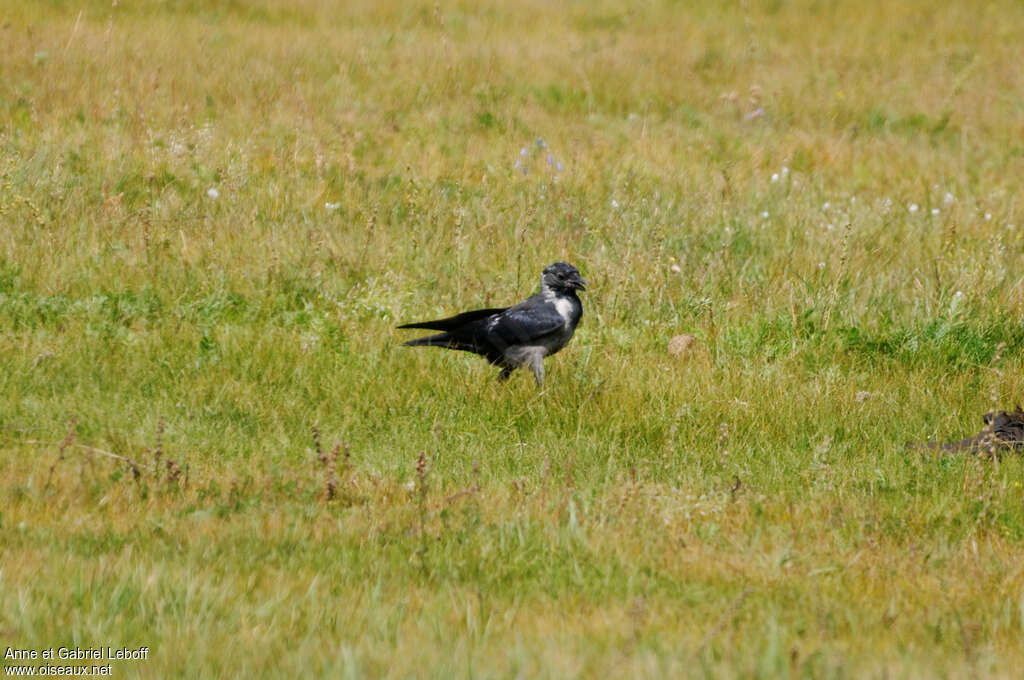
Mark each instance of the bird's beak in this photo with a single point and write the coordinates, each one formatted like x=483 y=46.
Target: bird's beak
x=579 y=284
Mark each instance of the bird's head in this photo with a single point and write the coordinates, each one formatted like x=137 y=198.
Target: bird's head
x=562 y=277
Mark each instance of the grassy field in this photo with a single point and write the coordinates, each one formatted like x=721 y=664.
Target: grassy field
x=214 y=214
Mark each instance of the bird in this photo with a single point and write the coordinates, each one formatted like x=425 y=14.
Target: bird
x=1003 y=430
x=510 y=337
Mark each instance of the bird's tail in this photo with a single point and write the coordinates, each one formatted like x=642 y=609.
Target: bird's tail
x=446 y=340
x=457 y=321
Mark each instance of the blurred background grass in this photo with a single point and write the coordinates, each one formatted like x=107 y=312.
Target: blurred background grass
x=212 y=215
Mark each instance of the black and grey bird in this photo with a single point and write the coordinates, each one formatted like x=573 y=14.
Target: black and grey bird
x=510 y=337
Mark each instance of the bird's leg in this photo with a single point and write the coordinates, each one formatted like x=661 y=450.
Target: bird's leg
x=537 y=366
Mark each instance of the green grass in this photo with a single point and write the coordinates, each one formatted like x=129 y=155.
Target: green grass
x=749 y=510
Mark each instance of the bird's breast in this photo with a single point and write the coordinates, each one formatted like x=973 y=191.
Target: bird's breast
x=564 y=308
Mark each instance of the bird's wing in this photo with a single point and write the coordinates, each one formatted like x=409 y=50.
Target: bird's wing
x=457 y=321
x=523 y=324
